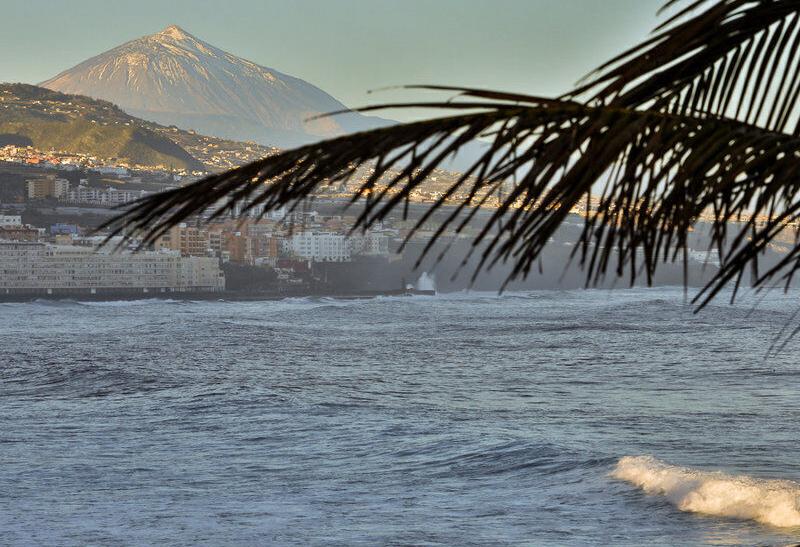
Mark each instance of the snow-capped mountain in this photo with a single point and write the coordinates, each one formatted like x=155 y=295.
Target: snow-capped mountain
x=174 y=78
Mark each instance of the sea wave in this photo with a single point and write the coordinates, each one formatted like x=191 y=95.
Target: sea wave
x=132 y=303
x=772 y=502
x=113 y=303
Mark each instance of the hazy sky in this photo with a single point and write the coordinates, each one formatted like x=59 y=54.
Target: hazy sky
x=346 y=47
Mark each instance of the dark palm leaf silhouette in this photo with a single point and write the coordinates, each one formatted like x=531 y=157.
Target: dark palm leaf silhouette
x=700 y=118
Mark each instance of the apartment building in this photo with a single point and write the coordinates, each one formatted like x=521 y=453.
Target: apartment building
x=108 y=197
x=319 y=246
x=188 y=240
x=64 y=269
x=47 y=187
x=369 y=244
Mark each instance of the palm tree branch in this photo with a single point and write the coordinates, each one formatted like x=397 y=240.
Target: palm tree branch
x=658 y=172
x=735 y=58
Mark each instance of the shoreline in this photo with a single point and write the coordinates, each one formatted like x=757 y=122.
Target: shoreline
x=233 y=296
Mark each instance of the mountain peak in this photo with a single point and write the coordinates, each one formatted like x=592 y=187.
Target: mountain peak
x=174 y=78
x=175 y=32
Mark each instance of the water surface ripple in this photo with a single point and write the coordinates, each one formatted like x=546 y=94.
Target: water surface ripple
x=465 y=419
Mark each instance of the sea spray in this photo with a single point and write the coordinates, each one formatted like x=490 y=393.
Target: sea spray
x=773 y=502
x=426 y=282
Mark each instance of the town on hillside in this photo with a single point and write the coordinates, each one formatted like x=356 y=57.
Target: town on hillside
x=52 y=202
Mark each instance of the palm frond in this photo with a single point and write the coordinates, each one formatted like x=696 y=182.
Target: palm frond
x=658 y=173
x=693 y=121
x=735 y=58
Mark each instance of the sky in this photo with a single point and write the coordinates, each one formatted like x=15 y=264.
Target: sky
x=347 y=47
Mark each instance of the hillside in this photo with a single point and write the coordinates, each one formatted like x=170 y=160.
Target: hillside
x=174 y=78
x=49 y=120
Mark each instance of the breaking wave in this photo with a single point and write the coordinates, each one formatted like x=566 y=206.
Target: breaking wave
x=773 y=502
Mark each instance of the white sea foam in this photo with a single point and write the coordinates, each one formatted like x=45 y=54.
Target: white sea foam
x=773 y=502
x=130 y=303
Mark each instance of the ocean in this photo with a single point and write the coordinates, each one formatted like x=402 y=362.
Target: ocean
x=545 y=418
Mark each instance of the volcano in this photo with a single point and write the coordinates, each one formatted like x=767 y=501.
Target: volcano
x=174 y=78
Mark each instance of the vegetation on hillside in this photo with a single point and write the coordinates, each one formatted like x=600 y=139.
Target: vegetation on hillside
x=49 y=120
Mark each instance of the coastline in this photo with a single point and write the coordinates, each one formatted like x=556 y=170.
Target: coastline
x=125 y=295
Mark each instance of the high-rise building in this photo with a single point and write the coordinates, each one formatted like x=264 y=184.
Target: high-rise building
x=47 y=187
x=188 y=240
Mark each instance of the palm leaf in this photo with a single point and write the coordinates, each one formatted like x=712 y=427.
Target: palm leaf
x=736 y=58
x=687 y=123
x=661 y=171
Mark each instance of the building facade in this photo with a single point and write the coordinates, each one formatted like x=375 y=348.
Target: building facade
x=10 y=220
x=18 y=233
x=369 y=244
x=319 y=246
x=188 y=240
x=42 y=268
x=48 y=187
x=108 y=197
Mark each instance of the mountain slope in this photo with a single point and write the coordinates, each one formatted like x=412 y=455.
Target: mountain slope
x=174 y=78
x=48 y=120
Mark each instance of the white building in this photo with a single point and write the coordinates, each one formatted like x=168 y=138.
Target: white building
x=257 y=211
x=369 y=244
x=97 y=196
x=10 y=220
x=113 y=170
x=64 y=269
x=278 y=214
x=319 y=246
